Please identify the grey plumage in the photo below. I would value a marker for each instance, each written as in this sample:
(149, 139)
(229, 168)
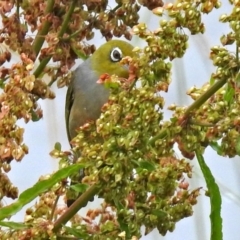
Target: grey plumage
(86, 104)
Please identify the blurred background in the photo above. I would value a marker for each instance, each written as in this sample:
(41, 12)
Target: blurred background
(194, 68)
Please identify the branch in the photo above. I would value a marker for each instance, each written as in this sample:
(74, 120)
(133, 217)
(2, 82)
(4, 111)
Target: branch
(67, 19)
(78, 204)
(205, 96)
(40, 37)
(41, 66)
(198, 103)
(63, 29)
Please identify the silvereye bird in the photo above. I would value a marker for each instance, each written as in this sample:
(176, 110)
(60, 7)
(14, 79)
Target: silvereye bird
(85, 96)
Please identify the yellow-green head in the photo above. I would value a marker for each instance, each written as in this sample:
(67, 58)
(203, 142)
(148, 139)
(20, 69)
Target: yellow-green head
(107, 57)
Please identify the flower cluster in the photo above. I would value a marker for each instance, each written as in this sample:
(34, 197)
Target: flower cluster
(63, 26)
(135, 175)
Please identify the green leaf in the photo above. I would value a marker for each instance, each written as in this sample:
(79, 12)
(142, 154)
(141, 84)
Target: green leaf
(238, 79)
(159, 213)
(147, 165)
(173, 119)
(79, 53)
(216, 147)
(215, 199)
(111, 85)
(79, 187)
(118, 204)
(14, 225)
(2, 84)
(76, 233)
(144, 165)
(229, 95)
(124, 227)
(108, 226)
(212, 80)
(39, 188)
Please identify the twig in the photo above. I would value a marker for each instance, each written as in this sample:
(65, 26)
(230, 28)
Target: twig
(199, 102)
(54, 207)
(40, 37)
(205, 96)
(63, 29)
(78, 204)
(41, 66)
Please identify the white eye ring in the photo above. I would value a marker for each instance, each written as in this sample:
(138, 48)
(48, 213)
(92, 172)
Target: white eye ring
(116, 54)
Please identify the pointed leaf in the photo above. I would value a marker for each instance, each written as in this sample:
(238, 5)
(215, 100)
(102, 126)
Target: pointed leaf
(39, 188)
(144, 165)
(216, 147)
(229, 95)
(14, 225)
(2, 84)
(215, 199)
(147, 165)
(80, 187)
(76, 233)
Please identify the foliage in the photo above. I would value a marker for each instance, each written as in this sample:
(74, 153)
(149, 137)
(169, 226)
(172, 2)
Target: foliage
(128, 153)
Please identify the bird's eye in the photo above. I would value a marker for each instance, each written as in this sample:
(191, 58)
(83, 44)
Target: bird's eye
(116, 54)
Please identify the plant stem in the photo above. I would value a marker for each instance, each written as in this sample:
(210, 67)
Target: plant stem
(67, 19)
(203, 124)
(63, 29)
(54, 208)
(73, 35)
(40, 37)
(78, 204)
(199, 102)
(237, 54)
(41, 66)
(162, 134)
(18, 10)
(205, 96)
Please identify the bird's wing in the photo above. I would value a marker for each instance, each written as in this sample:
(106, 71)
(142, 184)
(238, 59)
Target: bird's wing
(68, 106)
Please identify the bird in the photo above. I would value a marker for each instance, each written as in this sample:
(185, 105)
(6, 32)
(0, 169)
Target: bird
(85, 97)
